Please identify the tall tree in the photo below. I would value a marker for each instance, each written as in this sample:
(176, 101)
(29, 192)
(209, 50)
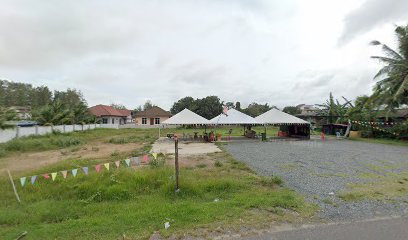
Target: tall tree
(238, 106)
(334, 110)
(255, 109)
(148, 105)
(392, 88)
(118, 106)
(208, 107)
(292, 110)
(230, 105)
(6, 115)
(186, 102)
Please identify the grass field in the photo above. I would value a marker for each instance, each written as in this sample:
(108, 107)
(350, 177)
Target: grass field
(133, 203)
(382, 141)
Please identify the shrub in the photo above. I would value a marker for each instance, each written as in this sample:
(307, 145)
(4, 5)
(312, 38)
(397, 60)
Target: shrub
(118, 140)
(201, 165)
(271, 181)
(218, 163)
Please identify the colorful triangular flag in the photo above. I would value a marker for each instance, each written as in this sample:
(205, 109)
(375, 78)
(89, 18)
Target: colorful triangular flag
(127, 161)
(135, 160)
(154, 155)
(22, 181)
(64, 173)
(145, 159)
(33, 178)
(98, 168)
(106, 166)
(46, 176)
(74, 172)
(85, 169)
(117, 163)
(53, 175)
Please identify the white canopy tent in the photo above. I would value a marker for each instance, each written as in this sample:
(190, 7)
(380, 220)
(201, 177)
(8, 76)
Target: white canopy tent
(186, 117)
(274, 116)
(233, 117)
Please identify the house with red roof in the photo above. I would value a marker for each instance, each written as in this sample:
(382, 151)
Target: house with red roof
(109, 115)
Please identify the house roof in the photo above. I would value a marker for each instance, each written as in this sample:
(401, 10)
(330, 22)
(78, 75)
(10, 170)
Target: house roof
(274, 116)
(233, 117)
(153, 112)
(104, 110)
(186, 117)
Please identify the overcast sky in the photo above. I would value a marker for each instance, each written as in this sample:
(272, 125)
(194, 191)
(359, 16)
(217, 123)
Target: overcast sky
(269, 51)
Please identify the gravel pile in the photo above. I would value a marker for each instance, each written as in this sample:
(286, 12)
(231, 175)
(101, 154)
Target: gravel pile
(319, 170)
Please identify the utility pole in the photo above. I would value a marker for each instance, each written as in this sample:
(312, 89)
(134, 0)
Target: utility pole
(176, 163)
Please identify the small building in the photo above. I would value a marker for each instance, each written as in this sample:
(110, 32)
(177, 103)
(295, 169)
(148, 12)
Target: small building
(109, 115)
(23, 112)
(332, 129)
(153, 116)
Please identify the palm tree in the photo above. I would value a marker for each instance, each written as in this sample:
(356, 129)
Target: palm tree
(334, 110)
(392, 88)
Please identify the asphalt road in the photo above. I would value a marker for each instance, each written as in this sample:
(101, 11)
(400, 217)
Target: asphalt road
(379, 229)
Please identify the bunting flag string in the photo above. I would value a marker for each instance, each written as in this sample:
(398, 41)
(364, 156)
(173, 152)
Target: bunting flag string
(373, 125)
(23, 181)
(53, 175)
(154, 155)
(127, 161)
(33, 178)
(379, 123)
(145, 159)
(98, 167)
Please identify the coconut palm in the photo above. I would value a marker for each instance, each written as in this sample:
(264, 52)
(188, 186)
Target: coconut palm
(392, 88)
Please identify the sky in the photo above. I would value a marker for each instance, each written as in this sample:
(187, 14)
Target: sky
(267, 51)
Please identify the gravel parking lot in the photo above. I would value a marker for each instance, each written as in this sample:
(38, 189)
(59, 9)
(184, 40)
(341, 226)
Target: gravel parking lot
(319, 170)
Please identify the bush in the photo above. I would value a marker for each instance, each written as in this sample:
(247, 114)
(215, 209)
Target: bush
(218, 163)
(271, 181)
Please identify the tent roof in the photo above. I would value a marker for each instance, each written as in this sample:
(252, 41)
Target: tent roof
(186, 117)
(275, 116)
(234, 117)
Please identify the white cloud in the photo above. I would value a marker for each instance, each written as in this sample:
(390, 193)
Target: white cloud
(246, 51)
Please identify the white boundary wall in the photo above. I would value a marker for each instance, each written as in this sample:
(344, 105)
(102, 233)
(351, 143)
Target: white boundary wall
(17, 132)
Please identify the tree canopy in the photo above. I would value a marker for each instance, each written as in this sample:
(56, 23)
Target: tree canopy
(292, 110)
(391, 89)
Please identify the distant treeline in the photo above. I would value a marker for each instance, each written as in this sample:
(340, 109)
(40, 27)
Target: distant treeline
(48, 108)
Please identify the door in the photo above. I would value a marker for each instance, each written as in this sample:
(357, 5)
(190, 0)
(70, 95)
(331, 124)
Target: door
(151, 121)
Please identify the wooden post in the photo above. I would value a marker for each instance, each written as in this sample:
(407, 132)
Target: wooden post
(14, 187)
(176, 162)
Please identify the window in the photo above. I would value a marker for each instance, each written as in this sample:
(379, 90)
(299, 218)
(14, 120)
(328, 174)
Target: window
(113, 121)
(104, 120)
(144, 120)
(157, 121)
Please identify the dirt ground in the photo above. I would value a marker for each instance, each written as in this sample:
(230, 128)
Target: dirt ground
(30, 161)
(166, 146)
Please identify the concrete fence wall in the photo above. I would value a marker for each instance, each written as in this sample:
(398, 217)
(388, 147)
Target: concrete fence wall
(9, 134)
(17, 132)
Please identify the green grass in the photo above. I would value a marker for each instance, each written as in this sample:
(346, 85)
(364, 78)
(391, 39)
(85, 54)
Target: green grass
(390, 186)
(136, 203)
(66, 140)
(382, 141)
